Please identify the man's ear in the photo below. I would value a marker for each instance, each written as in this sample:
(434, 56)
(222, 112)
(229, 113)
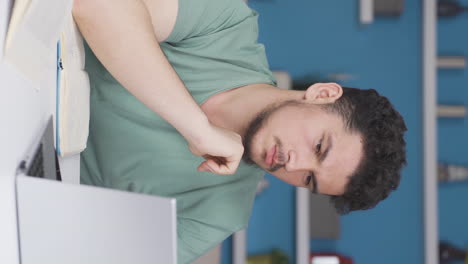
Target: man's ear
(323, 93)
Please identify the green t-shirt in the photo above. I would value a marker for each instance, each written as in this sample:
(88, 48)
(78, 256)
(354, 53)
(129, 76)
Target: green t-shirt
(213, 48)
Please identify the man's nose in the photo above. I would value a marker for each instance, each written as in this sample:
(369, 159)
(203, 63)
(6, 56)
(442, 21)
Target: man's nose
(299, 162)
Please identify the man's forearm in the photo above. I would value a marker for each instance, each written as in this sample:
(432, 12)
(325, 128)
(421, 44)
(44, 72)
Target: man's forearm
(121, 35)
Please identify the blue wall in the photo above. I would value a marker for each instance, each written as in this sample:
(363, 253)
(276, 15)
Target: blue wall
(303, 37)
(452, 137)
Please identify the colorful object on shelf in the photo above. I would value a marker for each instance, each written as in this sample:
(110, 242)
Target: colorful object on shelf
(329, 258)
(451, 62)
(276, 256)
(451, 111)
(451, 172)
(388, 8)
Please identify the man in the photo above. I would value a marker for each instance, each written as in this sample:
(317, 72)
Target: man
(143, 57)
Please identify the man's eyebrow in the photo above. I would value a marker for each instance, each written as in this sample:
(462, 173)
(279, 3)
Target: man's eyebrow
(325, 153)
(321, 159)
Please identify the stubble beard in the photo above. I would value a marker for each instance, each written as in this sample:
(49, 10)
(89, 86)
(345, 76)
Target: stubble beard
(256, 125)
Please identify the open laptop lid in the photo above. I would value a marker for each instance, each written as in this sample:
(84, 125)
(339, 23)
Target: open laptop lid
(67, 223)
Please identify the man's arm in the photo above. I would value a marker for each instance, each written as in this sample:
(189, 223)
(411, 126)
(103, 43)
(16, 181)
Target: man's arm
(123, 35)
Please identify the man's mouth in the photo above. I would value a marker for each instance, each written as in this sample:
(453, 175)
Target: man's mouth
(270, 157)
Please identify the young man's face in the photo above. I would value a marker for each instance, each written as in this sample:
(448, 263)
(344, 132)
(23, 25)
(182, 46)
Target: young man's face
(294, 141)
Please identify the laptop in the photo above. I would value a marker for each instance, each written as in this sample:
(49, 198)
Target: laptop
(68, 223)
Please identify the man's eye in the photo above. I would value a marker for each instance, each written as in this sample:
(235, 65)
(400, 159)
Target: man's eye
(318, 148)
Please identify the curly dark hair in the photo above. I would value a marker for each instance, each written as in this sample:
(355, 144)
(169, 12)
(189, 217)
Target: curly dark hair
(382, 129)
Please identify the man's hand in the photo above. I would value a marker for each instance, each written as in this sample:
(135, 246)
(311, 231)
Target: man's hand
(221, 148)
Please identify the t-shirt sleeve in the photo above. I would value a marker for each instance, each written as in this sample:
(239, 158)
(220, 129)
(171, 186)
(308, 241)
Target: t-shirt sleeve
(203, 17)
(214, 47)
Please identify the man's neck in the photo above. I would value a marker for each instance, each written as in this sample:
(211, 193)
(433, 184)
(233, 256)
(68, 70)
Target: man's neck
(236, 108)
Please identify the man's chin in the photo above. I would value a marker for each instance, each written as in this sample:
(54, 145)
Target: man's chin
(251, 162)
